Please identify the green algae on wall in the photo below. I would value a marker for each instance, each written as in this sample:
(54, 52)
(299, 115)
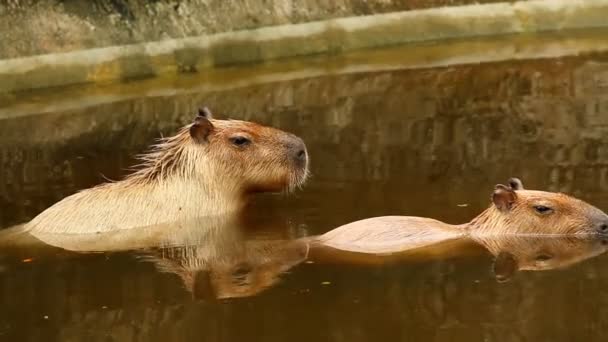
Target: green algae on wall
(318, 37)
(30, 27)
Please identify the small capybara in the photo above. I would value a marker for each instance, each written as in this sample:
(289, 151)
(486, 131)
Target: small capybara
(209, 167)
(514, 211)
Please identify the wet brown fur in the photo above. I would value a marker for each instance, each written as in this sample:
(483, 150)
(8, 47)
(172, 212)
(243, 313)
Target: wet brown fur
(197, 172)
(570, 216)
(171, 156)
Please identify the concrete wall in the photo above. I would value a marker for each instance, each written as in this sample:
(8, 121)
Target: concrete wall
(30, 27)
(545, 121)
(74, 62)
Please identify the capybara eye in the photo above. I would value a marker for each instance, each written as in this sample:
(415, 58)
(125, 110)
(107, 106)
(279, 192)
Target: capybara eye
(543, 257)
(240, 141)
(239, 275)
(541, 209)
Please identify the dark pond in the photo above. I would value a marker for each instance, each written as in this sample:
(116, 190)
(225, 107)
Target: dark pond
(425, 141)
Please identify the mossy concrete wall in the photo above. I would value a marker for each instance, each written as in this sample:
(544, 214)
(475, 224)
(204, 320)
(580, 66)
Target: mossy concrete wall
(192, 54)
(32, 27)
(404, 57)
(544, 120)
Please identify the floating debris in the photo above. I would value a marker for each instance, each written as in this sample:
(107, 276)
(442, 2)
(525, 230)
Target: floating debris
(463, 205)
(27, 260)
(326, 283)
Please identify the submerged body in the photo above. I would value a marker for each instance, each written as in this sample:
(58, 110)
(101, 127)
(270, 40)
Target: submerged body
(389, 234)
(514, 211)
(209, 167)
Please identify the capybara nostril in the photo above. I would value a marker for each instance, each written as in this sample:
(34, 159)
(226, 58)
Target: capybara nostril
(604, 228)
(297, 150)
(301, 158)
(301, 155)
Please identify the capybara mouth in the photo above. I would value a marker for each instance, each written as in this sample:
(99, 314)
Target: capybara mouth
(299, 177)
(292, 181)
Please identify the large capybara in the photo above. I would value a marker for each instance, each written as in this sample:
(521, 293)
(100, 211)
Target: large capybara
(514, 211)
(209, 167)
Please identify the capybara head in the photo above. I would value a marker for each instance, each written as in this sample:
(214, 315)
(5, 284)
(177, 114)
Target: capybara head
(236, 156)
(519, 211)
(540, 253)
(253, 157)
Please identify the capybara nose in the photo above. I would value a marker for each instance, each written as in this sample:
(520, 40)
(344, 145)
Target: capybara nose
(297, 149)
(301, 155)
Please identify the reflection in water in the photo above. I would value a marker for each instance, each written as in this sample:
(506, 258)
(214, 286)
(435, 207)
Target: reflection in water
(512, 252)
(213, 259)
(427, 142)
(245, 270)
(531, 253)
(212, 255)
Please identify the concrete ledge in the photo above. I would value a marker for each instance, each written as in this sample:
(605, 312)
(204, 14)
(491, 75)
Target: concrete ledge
(330, 36)
(452, 53)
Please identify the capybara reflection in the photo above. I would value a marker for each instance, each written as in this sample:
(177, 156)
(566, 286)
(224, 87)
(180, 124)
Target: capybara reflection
(514, 210)
(539, 253)
(245, 270)
(214, 256)
(209, 167)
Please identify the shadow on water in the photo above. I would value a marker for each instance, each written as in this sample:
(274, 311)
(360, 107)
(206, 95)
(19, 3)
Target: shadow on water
(425, 142)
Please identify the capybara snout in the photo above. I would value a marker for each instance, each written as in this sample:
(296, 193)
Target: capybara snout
(297, 151)
(601, 224)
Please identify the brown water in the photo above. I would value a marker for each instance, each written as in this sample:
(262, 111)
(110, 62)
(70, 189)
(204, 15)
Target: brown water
(425, 142)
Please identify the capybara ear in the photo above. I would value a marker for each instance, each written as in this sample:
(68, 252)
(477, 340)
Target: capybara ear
(202, 289)
(503, 197)
(515, 184)
(505, 266)
(205, 112)
(200, 129)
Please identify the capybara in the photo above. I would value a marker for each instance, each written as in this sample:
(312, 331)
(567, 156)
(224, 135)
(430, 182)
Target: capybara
(209, 167)
(514, 211)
